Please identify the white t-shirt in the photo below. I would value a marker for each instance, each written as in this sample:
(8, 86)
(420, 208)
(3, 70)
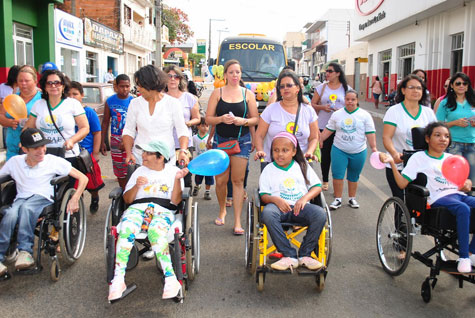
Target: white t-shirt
(400, 118)
(5, 90)
(200, 143)
(64, 115)
(287, 183)
(160, 185)
(35, 180)
(324, 116)
(437, 184)
(187, 101)
(280, 120)
(351, 129)
(144, 128)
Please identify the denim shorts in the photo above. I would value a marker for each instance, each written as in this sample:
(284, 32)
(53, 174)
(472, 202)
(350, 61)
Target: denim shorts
(466, 150)
(244, 144)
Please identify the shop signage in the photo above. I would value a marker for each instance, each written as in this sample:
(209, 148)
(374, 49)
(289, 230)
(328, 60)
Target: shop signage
(98, 35)
(366, 7)
(68, 29)
(373, 20)
(201, 46)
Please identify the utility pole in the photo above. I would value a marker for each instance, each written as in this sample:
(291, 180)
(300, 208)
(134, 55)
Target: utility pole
(158, 25)
(209, 42)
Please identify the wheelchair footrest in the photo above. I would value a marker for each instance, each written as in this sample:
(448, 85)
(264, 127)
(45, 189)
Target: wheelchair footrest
(30, 271)
(130, 288)
(450, 267)
(5, 276)
(299, 271)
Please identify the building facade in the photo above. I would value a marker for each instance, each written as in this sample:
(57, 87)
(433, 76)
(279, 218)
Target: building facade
(26, 33)
(437, 36)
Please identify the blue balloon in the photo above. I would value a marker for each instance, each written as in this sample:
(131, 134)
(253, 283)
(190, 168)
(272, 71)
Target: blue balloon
(209, 163)
(248, 86)
(210, 70)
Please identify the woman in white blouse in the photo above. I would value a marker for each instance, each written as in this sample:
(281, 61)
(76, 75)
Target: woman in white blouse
(153, 115)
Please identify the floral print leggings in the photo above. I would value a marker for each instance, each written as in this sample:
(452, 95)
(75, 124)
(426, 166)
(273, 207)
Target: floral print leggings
(130, 226)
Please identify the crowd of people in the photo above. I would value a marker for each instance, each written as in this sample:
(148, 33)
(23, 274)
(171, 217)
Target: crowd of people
(154, 131)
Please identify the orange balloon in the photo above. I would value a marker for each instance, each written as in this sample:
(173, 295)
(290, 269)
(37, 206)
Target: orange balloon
(222, 83)
(259, 96)
(216, 83)
(15, 106)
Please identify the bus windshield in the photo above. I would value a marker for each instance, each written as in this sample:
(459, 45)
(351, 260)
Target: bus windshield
(260, 61)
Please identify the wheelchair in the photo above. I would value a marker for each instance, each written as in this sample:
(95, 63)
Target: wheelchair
(56, 228)
(258, 249)
(400, 221)
(183, 240)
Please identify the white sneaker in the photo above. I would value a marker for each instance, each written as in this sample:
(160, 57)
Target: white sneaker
(12, 257)
(464, 265)
(172, 287)
(150, 254)
(309, 262)
(353, 203)
(24, 261)
(285, 263)
(3, 269)
(472, 259)
(335, 204)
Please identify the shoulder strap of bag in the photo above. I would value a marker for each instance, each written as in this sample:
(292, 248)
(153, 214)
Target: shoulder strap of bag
(296, 119)
(321, 94)
(245, 109)
(54, 123)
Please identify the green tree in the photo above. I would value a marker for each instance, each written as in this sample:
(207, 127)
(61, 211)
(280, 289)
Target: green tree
(196, 58)
(175, 20)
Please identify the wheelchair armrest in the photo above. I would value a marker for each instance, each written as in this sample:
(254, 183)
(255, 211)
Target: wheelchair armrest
(418, 190)
(115, 193)
(186, 193)
(6, 178)
(58, 180)
(257, 198)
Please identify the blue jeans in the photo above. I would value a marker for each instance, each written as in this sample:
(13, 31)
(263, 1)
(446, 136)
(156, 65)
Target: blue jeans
(244, 144)
(459, 205)
(467, 151)
(25, 212)
(209, 180)
(312, 216)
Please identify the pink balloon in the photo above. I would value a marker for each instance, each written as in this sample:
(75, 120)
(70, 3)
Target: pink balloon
(456, 169)
(375, 162)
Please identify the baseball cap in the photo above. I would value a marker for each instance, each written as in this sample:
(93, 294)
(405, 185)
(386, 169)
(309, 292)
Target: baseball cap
(48, 66)
(32, 138)
(156, 146)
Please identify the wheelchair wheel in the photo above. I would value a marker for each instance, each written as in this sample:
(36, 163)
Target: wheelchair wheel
(72, 234)
(192, 236)
(110, 257)
(329, 236)
(250, 255)
(260, 281)
(393, 236)
(426, 291)
(55, 270)
(320, 280)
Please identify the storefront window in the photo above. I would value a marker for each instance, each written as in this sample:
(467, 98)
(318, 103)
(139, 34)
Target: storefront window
(23, 39)
(384, 70)
(457, 53)
(70, 63)
(406, 59)
(91, 67)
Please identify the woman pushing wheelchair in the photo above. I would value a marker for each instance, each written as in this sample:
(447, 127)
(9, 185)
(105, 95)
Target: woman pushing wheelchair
(443, 193)
(154, 188)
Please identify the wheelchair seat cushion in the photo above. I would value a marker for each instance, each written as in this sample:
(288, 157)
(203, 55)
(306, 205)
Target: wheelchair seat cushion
(441, 218)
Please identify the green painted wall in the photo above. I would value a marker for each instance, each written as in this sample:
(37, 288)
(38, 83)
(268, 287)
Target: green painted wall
(26, 12)
(6, 31)
(43, 35)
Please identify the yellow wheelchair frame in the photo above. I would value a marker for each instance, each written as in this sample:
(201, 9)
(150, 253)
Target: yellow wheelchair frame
(259, 248)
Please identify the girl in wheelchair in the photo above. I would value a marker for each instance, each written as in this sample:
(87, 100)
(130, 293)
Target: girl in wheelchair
(286, 188)
(155, 179)
(443, 193)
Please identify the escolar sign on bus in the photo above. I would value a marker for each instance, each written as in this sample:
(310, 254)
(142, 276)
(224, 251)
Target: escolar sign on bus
(251, 46)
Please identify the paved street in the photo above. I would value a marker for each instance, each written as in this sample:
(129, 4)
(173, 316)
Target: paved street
(356, 285)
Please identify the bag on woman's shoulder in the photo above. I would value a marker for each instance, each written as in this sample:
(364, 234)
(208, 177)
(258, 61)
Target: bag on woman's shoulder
(231, 147)
(85, 162)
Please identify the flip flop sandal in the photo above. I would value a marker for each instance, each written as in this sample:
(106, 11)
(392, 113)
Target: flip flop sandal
(219, 222)
(229, 203)
(238, 232)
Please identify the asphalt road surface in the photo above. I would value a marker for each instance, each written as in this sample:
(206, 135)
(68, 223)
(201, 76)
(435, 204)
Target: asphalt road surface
(356, 285)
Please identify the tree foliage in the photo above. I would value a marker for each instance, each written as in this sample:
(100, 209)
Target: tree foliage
(196, 58)
(175, 20)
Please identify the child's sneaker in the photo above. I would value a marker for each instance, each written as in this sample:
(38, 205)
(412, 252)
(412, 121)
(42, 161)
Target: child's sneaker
(207, 195)
(24, 261)
(353, 203)
(335, 204)
(3, 269)
(464, 265)
(472, 259)
(285, 263)
(196, 189)
(309, 262)
(172, 288)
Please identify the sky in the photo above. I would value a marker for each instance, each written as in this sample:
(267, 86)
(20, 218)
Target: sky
(272, 18)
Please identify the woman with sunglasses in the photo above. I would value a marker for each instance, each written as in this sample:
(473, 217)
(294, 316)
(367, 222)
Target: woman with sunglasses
(441, 98)
(328, 98)
(67, 114)
(457, 110)
(281, 115)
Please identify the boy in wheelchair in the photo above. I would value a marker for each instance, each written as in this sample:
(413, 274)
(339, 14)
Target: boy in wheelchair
(443, 193)
(154, 184)
(32, 173)
(286, 187)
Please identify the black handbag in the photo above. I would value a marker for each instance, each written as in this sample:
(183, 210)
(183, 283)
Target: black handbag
(84, 160)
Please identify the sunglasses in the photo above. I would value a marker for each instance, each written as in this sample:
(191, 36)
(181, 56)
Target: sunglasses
(54, 83)
(175, 76)
(288, 85)
(461, 83)
(330, 71)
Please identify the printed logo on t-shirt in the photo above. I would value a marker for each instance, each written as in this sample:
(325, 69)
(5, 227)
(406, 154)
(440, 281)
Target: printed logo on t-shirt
(288, 191)
(290, 129)
(48, 128)
(348, 125)
(118, 116)
(202, 146)
(154, 189)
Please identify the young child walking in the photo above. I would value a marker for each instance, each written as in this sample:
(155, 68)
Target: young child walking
(286, 187)
(200, 140)
(115, 113)
(443, 193)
